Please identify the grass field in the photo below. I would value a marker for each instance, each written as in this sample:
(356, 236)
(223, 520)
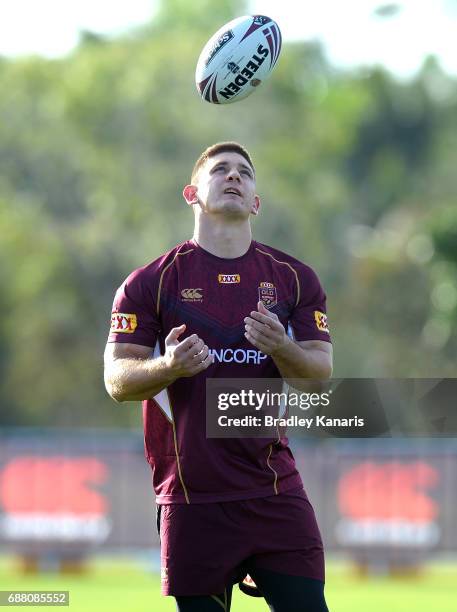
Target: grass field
(126, 586)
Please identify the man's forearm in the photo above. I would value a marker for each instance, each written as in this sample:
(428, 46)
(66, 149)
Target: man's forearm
(137, 379)
(293, 361)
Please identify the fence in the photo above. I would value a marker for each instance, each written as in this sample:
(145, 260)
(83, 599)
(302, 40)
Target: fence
(73, 493)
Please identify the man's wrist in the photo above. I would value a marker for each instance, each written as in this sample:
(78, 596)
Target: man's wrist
(282, 349)
(169, 371)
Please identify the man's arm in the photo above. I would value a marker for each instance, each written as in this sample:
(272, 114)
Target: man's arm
(308, 359)
(131, 373)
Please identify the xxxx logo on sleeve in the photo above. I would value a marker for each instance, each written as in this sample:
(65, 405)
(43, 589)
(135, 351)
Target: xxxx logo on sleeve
(267, 294)
(321, 321)
(122, 323)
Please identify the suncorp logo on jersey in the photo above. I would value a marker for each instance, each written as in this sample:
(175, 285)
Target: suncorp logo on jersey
(238, 356)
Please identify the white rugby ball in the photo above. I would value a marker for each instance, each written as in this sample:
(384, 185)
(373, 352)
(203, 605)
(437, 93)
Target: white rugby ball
(237, 59)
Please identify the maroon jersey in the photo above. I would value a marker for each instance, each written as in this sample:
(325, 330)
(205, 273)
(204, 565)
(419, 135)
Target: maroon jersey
(212, 296)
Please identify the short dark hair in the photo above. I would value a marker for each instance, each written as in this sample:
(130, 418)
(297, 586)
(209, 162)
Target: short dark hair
(215, 149)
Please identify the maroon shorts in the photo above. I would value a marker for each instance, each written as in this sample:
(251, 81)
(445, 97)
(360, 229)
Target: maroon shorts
(207, 547)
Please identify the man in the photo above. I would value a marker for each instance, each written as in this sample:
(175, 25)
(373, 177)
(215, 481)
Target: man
(220, 305)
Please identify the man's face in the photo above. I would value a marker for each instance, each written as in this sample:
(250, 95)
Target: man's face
(226, 184)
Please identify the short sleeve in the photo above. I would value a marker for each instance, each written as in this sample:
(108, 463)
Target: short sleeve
(309, 317)
(134, 315)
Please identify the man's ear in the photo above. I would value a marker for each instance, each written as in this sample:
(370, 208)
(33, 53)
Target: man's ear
(255, 205)
(190, 194)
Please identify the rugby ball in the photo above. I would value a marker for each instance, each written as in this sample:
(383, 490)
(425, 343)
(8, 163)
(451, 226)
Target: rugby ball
(237, 59)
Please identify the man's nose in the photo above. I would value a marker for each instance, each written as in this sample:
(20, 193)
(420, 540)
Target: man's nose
(233, 174)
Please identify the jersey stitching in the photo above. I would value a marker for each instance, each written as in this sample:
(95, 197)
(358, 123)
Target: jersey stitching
(163, 272)
(219, 602)
(274, 471)
(178, 463)
(289, 266)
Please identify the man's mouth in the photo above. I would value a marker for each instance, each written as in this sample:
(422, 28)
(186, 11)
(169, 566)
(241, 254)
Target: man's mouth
(232, 190)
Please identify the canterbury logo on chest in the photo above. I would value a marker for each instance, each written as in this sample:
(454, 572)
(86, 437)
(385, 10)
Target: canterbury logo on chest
(192, 295)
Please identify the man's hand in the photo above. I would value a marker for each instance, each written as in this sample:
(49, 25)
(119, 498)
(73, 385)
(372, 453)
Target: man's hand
(306, 359)
(188, 357)
(265, 331)
(132, 373)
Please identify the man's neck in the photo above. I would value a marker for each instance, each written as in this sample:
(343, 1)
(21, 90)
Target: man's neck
(225, 241)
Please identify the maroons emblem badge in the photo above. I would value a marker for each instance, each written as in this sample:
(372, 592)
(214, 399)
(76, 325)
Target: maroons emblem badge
(267, 294)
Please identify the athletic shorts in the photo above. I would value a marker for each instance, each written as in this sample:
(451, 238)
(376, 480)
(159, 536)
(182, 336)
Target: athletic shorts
(206, 547)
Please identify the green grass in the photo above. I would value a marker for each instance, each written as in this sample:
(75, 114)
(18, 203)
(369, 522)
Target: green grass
(120, 586)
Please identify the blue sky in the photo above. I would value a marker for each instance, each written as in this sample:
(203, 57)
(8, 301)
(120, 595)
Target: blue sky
(351, 31)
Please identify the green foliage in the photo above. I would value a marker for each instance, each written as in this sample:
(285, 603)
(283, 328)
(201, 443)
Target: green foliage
(204, 15)
(356, 172)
